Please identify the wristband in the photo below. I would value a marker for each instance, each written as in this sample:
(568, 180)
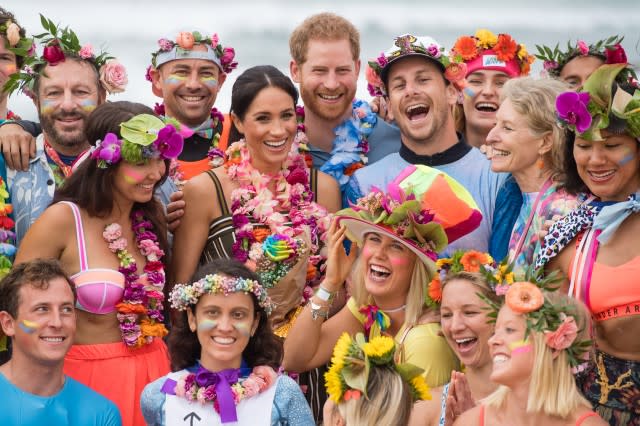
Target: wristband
(324, 294)
(318, 311)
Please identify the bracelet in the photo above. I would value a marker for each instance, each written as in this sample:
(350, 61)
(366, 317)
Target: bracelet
(318, 311)
(324, 294)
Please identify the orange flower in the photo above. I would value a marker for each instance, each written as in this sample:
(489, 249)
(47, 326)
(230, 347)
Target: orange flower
(311, 271)
(261, 234)
(185, 40)
(435, 289)
(505, 48)
(525, 67)
(131, 308)
(466, 47)
(472, 260)
(524, 297)
(351, 168)
(456, 73)
(152, 329)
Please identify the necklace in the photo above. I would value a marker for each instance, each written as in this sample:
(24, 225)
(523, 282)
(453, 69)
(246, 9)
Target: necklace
(140, 312)
(398, 309)
(350, 146)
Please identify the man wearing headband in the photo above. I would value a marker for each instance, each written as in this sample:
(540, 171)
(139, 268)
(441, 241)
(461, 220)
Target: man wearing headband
(422, 85)
(37, 313)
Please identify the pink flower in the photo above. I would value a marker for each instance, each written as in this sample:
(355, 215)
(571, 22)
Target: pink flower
(267, 374)
(165, 45)
(112, 232)
(53, 54)
(616, 55)
(185, 40)
(147, 247)
(119, 244)
(214, 40)
(550, 65)
(382, 60)
(13, 34)
(501, 289)
(563, 336)
(147, 75)
(434, 51)
(251, 387)
(113, 76)
(32, 50)
(86, 51)
(180, 388)
(582, 46)
(227, 55)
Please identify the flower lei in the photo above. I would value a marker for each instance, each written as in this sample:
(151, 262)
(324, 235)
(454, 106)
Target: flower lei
(352, 360)
(7, 236)
(253, 199)
(140, 312)
(350, 146)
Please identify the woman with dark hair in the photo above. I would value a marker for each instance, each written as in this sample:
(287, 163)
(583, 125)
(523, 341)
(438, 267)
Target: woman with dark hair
(108, 232)
(595, 246)
(224, 356)
(265, 207)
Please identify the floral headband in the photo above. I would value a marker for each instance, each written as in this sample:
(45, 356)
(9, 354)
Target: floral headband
(15, 42)
(182, 48)
(58, 44)
(608, 49)
(410, 45)
(353, 359)
(485, 50)
(143, 137)
(184, 295)
(596, 108)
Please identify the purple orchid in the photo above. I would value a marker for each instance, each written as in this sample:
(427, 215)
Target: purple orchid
(572, 108)
(108, 151)
(169, 142)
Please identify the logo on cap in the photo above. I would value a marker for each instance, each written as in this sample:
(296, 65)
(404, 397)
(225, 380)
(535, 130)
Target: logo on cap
(492, 61)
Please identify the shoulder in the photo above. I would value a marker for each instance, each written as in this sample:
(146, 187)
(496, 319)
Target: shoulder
(290, 406)
(427, 413)
(59, 215)
(286, 386)
(199, 185)
(91, 400)
(152, 401)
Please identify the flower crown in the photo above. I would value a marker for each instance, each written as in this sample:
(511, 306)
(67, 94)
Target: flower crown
(143, 137)
(184, 295)
(353, 359)
(486, 50)
(183, 48)
(596, 108)
(19, 45)
(557, 321)
(58, 44)
(608, 49)
(406, 45)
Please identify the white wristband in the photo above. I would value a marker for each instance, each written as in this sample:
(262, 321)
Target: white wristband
(323, 294)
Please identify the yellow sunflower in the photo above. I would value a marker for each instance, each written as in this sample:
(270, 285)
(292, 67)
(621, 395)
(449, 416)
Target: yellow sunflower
(420, 388)
(341, 350)
(486, 38)
(380, 349)
(333, 383)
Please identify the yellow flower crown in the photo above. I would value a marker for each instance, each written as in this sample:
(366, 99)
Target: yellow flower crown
(352, 360)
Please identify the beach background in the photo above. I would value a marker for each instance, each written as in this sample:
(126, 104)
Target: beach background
(259, 30)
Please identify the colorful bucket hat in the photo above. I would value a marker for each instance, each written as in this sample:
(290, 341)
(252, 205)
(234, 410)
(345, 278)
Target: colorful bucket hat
(424, 209)
(486, 51)
(409, 45)
(602, 104)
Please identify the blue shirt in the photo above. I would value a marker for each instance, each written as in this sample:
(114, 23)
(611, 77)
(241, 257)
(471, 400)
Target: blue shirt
(74, 405)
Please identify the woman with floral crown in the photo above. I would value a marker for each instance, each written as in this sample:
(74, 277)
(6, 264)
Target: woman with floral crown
(223, 354)
(541, 339)
(264, 208)
(595, 246)
(399, 234)
(109, 233)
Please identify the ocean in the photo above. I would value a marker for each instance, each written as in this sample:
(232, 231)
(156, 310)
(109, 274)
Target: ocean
(259, 30)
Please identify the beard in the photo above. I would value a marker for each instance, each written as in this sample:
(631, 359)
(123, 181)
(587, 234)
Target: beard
(322, 110)
(75, 138)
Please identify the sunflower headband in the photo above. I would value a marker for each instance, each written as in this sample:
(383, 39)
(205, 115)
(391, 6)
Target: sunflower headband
(352, 360)
(58, 43)
(184, 295)
(144, 137)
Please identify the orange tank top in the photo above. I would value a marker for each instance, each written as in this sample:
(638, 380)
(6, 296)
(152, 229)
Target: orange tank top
(191, 169)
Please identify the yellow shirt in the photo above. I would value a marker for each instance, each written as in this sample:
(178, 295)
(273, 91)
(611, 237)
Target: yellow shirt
(422, 347)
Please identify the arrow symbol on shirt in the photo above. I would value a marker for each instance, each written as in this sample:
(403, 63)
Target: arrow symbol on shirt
(191, 416)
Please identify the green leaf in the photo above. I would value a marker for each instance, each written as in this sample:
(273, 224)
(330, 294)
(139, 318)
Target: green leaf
(356, 376)
(408, 371)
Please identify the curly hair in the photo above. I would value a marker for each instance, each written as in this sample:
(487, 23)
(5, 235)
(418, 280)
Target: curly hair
(264, 347)
(323, 26)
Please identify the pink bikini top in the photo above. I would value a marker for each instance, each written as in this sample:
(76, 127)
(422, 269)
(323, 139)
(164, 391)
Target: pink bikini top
(99, 290)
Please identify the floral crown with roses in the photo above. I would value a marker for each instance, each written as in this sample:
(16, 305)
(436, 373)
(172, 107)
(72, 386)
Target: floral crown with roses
(602, 104)
(485, 50)
(182, 48)
(15, 39)
(144, 137)
(353, 360)
(609, 49)
(410, 45)
(184, 295)
(59, 43)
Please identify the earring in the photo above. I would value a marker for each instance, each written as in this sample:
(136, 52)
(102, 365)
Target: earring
(540, 163)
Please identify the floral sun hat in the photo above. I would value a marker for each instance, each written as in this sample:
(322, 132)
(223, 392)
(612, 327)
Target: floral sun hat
(183, 48)
(610, 50)
(351, 363)
(602, 104)
(58, 44)
(423, 208)
(488, 51)
(409, 45)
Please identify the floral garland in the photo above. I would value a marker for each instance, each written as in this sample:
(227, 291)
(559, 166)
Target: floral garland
(350, 146)
(186, 40)
(7, 236)
(140, 312)
(254, 199)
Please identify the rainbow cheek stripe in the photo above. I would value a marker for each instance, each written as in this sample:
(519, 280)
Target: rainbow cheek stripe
(243, 328)
(468, 92)
(48, 106)
(520, 347)
(175, 79)
(28, 326)
(209, 81)
(626, 159)
(206, 325)
(131, 175)
(88, 105)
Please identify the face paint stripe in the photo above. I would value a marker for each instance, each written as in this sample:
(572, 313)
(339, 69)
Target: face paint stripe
(206, 325)
(520, 347)
(243, 328)
(28, 326)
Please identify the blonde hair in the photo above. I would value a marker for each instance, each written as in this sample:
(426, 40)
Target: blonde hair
(535, 100)
(388, 400)
(326, 27)
(552, 388)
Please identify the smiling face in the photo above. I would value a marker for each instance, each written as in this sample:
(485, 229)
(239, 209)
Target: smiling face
(420, 100)
(465, 323)
(388, 268)
(513, 357)
(328, 79)
(269, 127)
(45, 325)
(136, 182)
(576, 71)
(610, 168)
(224, 325)
(8, 64)
(482, 98)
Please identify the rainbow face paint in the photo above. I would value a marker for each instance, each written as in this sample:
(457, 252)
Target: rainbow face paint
(520, 347)
(468, 92)
(28, 326)
(48, 106)
(627, 158)
(131, 175)
(206, 325)
(209, 81)
(243, 328)
(88, 105)
(175, 79)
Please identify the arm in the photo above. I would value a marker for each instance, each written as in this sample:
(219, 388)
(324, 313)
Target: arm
(112, 416)
(190, 238)
(152, 402)
(328, 192)
(18, 144)
(289, 405)
(41, 242)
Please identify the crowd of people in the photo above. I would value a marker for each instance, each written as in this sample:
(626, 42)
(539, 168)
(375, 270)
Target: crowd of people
(438, 254)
